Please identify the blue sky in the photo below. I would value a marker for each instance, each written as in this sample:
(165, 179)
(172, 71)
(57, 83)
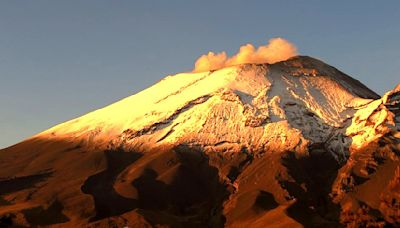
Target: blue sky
(62, 59)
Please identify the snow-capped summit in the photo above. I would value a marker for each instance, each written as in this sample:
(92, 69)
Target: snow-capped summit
(236, 104)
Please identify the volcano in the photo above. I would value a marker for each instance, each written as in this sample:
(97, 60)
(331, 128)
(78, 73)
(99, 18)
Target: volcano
(296, 143)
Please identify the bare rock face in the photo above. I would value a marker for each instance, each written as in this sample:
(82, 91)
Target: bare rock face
(291, 144)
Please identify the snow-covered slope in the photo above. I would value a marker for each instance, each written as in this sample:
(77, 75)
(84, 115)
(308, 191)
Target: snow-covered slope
(290, 144)
(233, 104)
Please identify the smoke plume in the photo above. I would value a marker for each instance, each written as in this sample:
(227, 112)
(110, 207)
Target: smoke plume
(277, 49)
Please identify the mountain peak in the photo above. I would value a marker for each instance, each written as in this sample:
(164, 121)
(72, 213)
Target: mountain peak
(284, 143)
